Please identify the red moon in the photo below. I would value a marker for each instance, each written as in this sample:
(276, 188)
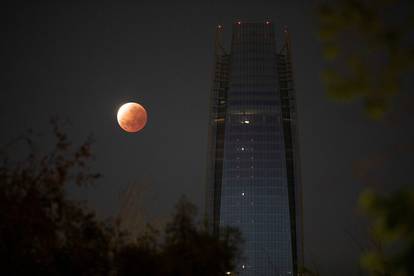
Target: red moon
(132, 117)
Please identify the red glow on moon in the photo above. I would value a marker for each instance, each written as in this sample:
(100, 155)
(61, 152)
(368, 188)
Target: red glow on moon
(132, 117)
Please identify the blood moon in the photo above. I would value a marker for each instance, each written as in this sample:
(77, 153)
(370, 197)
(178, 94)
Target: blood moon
(132, 117)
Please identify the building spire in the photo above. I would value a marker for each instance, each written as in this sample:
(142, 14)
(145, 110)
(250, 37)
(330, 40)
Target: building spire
(218, 47)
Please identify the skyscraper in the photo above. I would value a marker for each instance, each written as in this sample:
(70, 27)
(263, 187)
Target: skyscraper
(253, 178)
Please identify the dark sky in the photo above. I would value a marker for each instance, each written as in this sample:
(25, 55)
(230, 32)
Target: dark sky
(82, 61)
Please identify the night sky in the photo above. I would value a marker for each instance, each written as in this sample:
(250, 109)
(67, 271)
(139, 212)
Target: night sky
(81, 62)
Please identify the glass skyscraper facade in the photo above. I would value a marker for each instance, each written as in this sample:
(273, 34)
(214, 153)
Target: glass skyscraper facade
(253, 168)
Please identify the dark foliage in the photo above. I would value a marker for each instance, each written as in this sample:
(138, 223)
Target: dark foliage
(368, 48)
(369, 52)
(42, 232)
(186, 249)
(393, 229)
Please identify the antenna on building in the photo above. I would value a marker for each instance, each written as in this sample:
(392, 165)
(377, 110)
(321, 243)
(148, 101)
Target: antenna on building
(287, 42)
(218, 46)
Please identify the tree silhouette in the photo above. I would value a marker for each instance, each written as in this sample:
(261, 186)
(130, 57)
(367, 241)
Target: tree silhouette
(42, 232)
(45, 233)
(186, 248)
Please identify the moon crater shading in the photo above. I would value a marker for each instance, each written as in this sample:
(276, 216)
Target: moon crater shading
(132, 117)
